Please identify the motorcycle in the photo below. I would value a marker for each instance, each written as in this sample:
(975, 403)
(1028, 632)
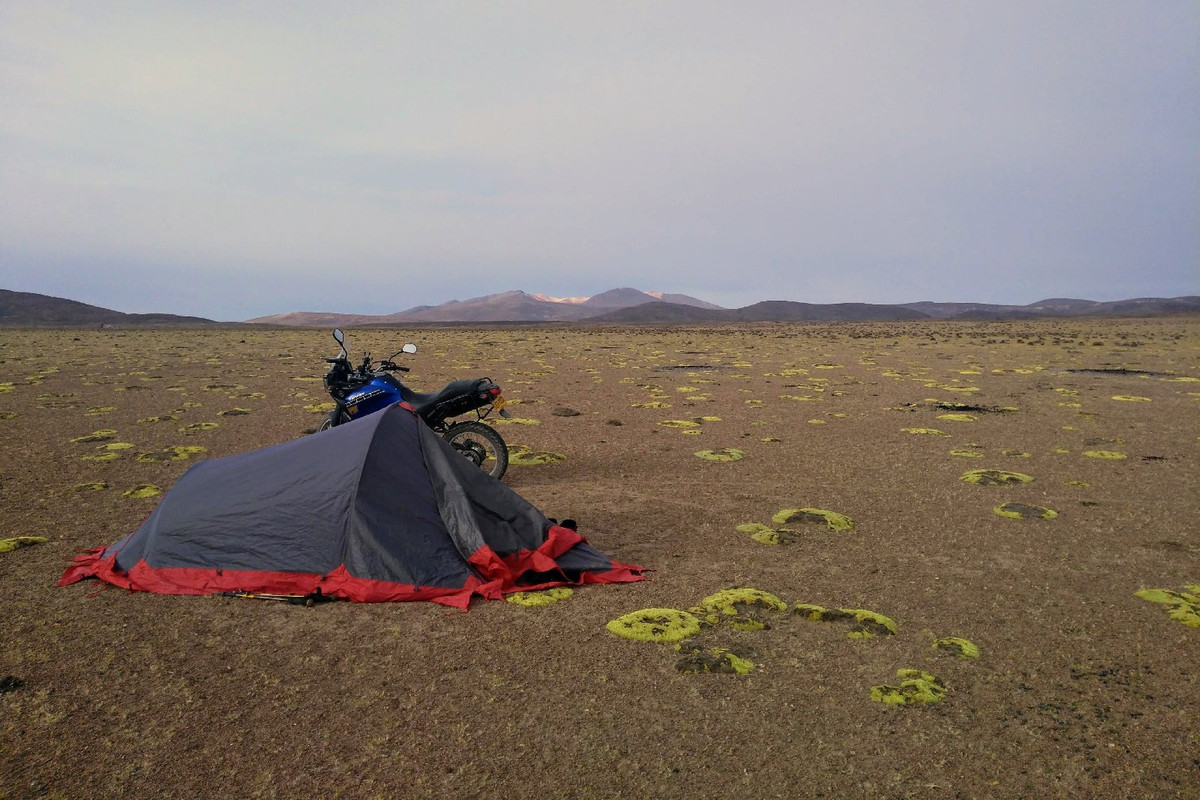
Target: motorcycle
(371, 386)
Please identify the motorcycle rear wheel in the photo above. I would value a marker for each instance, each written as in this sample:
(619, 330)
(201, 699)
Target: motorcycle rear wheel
(481, 445)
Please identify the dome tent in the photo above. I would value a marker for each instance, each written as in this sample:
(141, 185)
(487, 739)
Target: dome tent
(381, 509)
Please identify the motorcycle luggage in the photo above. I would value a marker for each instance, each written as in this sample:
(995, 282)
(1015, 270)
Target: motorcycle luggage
(456, 398)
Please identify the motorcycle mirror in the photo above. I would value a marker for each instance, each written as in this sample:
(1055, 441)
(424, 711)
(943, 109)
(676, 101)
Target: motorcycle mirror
(409, 348)
(340, 338)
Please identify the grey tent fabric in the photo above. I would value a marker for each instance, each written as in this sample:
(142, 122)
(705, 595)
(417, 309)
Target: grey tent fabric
(381, 508)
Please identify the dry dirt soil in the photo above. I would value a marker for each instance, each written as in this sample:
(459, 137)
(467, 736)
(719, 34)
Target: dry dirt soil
(1080, 689)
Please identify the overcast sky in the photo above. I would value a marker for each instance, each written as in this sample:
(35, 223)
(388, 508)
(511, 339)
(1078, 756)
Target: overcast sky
(233, 159)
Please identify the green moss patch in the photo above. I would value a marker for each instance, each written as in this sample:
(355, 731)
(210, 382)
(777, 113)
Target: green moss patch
(723, 454)
(925, 431)
(652, 404)
(1023, 511)
(655, 625)
(525, 457)
(538, 599)
(196, 427)
(916, 687)
(831, 519)
(678, 424)
(514, 421)
(995, 477)
(142, 491)
(739, 608)
(234, 412)
(957, 417)
(765, 534)
(696, 660)
(102, 435)
(320, 408)
(1130, 398)
(178, 453)
(970, 408)
(960, 648)
(17, 542)
(869, 623)
(8, 415)
(110, 456)
(1182, 606)
(966, 453)
(866, 624)
(91, 486)
(1110, 455)
(95, 411)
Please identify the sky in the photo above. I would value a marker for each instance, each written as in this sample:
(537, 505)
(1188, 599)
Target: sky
(232, 160)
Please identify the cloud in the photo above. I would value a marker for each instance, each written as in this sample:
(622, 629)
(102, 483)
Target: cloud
(808, 151)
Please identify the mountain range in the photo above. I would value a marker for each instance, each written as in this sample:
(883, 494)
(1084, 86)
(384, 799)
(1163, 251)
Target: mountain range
(515, 306)
(616, 306)
(627, 305)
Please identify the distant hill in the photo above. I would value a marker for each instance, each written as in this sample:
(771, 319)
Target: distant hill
(316, 319)
(767, 311)
(787, 311)
(1060, 307)
(1145, 306)
(950, 310)
(659, 311)
(513, 306)
(29, 309)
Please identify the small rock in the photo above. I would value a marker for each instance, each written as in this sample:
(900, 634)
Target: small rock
(563, 411)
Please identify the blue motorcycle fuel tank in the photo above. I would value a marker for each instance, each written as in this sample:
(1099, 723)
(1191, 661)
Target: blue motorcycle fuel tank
(374, 396)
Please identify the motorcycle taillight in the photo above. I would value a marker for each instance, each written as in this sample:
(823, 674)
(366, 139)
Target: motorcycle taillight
(494, 391)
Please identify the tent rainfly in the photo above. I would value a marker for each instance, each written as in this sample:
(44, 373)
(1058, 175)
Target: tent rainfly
(381, 509)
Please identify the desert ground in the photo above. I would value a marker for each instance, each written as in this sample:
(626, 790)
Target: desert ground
(1078, 686)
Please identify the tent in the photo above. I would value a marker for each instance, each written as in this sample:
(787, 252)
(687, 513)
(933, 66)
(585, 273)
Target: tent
(380, 509)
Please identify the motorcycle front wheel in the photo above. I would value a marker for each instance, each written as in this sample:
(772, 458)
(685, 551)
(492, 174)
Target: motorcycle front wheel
(481, 445)
(332, 419)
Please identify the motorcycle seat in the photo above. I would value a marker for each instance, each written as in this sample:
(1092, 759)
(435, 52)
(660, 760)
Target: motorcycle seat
(453, 390)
